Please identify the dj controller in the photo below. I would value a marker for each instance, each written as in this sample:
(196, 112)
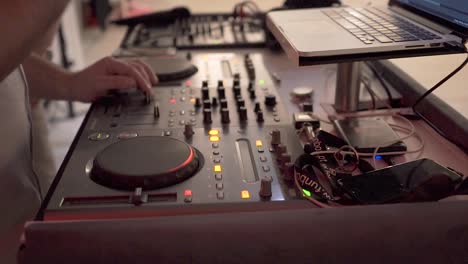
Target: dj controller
(220, 136)
(199, 31)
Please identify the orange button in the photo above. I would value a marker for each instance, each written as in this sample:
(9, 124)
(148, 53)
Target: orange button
(218, 168)
(245, 194)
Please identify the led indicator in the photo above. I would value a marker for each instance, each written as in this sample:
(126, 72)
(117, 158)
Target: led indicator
(188, 83)
(193, 100)
(245, 195)
(261, 82)
(217, 168)
(259, 143)
(187, 193)
(214, 138)
(213, 132)
(378, 157)
(172, 101)
(306, 193)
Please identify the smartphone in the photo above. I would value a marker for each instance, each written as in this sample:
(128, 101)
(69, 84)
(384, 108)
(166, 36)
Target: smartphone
(419, 180)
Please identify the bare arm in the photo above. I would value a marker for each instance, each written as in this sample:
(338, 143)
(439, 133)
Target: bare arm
(22, 24)
(47, 80)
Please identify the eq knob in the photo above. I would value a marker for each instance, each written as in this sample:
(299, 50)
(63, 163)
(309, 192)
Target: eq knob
(225, 116)
(197, 102)
(242, 113)
(260, 118)
(252, 94)
(220, 83)
(207, 104)
(221, 92)
(205, 93)
(223, 102)
(251, 86)
(270, 100)
(265, 187)
(257, 107)
(240, 103)
(207, 116)
(205, 84)
(236, 90)
(236, 82)
(214, 102)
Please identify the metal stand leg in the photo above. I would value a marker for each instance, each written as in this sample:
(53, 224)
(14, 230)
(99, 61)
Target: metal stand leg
(356, 130)
(348, 82)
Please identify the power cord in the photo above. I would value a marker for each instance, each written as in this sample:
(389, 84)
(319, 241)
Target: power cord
(428, 92)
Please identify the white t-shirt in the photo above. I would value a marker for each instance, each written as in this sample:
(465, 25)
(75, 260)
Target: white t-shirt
(19, 193)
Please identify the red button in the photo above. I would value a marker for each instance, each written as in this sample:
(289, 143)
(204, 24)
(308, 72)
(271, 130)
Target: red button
(188, 193)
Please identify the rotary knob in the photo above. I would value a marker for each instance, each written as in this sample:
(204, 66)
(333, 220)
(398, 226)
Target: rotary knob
(257, 107)
(221, 92)
(242, 113)
(214, 102)
(251, 86)
(207, 103)
(197, 102)
(252, 94)
(223, 103)
(207, 116)
(240, 103)
(236, 90)
(205, 93)
(220, 83)
(204, 83)
(236, 82)
(188, 130)
(225, 116)
(265, 187)
(260, 118)
(270, 100)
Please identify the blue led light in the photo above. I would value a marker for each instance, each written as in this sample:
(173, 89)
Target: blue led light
(378, 157)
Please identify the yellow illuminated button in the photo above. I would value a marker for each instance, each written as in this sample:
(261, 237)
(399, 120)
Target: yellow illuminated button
(217, 168)
(259, 143)
(214, 138)
(213, 132)
(245, 195)
(193, 100)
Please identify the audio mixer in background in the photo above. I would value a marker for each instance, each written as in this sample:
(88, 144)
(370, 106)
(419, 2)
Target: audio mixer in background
(200, 31)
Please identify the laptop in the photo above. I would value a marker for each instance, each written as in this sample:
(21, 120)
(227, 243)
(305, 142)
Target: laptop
(403, 25)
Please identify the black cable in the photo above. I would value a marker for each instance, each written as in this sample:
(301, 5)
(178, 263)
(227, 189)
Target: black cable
(371, 93)
(440, 83)
(428, 92)
(382, 82)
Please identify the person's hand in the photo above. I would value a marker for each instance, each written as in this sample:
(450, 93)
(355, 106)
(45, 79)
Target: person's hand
(110, 74)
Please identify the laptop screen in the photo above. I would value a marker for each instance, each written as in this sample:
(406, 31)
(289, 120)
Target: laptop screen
(452, 11)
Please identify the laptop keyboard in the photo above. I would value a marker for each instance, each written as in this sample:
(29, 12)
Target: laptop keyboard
(372, 25)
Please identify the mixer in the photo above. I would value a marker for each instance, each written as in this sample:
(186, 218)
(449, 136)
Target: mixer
(199, 31)
(221, 136)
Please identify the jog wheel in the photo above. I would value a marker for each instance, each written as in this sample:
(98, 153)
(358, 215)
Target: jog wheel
(146, 162)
